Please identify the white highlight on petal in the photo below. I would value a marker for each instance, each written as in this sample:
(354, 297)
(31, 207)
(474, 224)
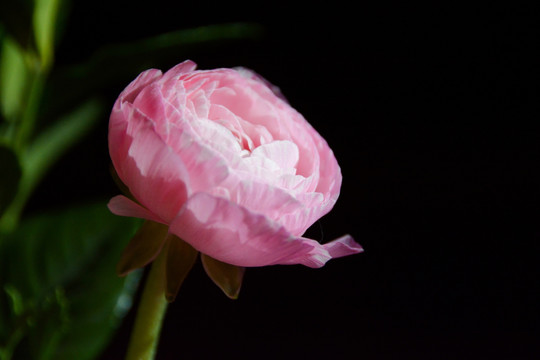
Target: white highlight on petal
(283, 152)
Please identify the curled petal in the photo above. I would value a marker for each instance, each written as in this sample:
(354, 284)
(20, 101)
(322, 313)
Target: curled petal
(122, 206)
(180, 69)
(134, 88)
(320, 254)
(343, 246)
(235, 235)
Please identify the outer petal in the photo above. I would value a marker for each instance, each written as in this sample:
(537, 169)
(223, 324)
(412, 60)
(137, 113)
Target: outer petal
(235, 235)
(330, 173)
(320, 254)
(180, 69)
(232, 234)
(162, 105)
(121, 205)
(134, 88)
(343, 246)
(154, 174)
(250, 74)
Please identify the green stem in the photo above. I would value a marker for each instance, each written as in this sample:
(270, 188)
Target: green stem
(152, 307)
(27, 123)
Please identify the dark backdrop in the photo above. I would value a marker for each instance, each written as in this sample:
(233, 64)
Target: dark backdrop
(432, 112)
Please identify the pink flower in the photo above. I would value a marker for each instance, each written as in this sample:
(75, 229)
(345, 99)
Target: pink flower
(221, 159)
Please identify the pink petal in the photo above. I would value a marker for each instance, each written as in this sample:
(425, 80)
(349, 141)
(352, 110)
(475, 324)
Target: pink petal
(320, 254)
(249, 100)
(299, 221)
(300, 130)
(180, 69)
(283, 152)
(262, 198)
(330, 173)
(250, 74)
(217, 137)
(132, 90)
(150, 102)
(206, 167)
(343, 246)
(233, 234)
(154, 174)
(122, 206)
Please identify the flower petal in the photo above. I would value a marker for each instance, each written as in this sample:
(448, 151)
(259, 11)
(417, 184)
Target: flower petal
(134, 88)
(206, 167)
(343, 246)
(154, 174)
(233, 234)
(282, 152)
(122, 206)
(262, 198)
(320, 254)
(180, 69)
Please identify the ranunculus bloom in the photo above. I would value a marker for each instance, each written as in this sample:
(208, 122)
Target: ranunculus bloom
(222, 159)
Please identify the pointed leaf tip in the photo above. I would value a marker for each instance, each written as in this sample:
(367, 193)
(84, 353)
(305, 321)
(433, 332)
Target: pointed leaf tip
(226, 276)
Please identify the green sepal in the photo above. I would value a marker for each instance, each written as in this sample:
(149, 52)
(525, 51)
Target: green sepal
(226, 276)
(143, 248)
(180, 260)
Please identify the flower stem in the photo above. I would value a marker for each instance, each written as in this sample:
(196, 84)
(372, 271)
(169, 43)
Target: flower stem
(152, 307)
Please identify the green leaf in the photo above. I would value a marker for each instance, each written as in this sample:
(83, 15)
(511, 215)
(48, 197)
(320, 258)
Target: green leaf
(9, 181)
(55, 140)
(61, 266)
(118, 63)
(48, 146)
(14, 77)
(44, 20)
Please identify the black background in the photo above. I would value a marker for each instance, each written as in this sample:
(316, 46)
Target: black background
(432, 112)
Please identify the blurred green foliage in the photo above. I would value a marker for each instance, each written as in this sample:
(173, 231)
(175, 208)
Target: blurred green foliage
(59, 295)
